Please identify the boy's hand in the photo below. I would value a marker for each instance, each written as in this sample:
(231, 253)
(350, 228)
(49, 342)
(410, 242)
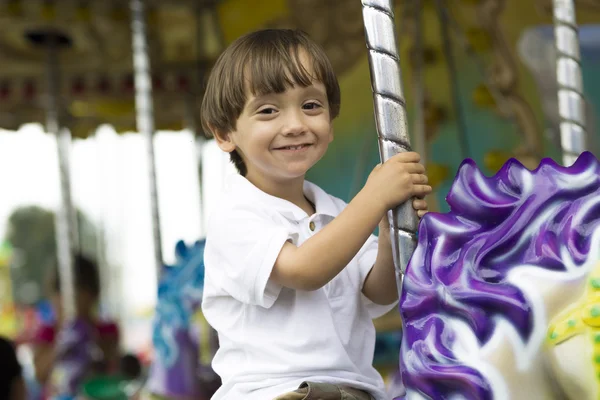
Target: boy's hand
(420, 206)
(398, 179)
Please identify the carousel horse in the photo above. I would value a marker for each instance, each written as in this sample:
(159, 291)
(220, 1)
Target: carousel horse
(501, 299)
(181, 336)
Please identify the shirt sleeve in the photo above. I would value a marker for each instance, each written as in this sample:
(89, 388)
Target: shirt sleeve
(45, 334)
(366, 260)
(241, 249)
(108, 330)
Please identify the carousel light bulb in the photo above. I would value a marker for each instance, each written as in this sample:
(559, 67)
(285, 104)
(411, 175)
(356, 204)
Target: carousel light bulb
(104, 85)
(78, 86)
(129, 84)
(4, 90)
(157, 82)
(29, 89)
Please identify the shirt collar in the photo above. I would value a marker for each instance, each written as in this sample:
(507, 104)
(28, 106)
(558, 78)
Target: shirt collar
(242, 189)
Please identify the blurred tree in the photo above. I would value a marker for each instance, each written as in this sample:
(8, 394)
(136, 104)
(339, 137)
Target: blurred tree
(31, 233)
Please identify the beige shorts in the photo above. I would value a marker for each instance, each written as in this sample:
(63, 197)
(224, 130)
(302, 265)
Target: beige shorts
(324, 391)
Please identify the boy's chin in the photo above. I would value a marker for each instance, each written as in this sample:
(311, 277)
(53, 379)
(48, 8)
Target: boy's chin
(287, 172)
(295, 172)
(289, 176)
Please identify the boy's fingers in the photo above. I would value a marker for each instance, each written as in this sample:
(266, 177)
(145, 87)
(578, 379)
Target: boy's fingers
(421, 190)
(420, 179)
(409, 156)
(409, 167)
(419, 204)
(414, 168)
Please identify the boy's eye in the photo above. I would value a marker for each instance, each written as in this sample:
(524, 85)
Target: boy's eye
(267, 110)
(311, 106)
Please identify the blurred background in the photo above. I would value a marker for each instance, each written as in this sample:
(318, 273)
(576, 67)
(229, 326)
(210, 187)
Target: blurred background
(484, 71)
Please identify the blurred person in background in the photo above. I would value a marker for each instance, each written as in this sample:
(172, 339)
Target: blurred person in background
(106, 333)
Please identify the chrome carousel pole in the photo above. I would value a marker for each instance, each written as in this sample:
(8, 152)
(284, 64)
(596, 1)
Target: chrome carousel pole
(571, 104)
(390, 117)
(448, 50)
(109, 298)
(66, 235)
(145, 115)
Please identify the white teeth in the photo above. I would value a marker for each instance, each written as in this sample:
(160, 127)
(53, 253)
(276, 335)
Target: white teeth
(294, 147)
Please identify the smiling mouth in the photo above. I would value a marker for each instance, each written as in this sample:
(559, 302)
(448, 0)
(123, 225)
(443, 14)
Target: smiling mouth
(297, 147)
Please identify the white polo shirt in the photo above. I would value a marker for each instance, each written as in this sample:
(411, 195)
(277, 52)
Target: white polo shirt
(273, 338)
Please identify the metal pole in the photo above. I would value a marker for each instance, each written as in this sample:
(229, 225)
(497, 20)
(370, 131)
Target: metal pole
(145, 114)
(390, 118)
(571, 105)
(453, 80)
(419, 84)
(199, 140)
(65, 232)
(107, 280)
(479, 63)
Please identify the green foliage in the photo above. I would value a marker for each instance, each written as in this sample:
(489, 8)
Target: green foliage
(31, 232)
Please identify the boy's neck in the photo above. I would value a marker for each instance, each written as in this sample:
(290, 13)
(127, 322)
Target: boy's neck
(291, 190)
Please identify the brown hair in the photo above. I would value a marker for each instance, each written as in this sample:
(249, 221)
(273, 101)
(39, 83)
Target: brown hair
(265, 61)
(85, 274)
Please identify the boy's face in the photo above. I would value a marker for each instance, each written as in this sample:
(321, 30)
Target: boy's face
(84, 303)
(280, 136)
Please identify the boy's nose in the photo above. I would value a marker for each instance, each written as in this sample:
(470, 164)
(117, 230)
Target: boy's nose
(294, 125)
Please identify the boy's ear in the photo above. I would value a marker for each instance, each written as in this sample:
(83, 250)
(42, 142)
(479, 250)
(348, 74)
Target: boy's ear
(331, 134)
(224, 141)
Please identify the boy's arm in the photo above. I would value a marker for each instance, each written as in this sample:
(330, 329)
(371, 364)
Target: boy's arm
(318, 260)
(380, 285)
(323, 256)
(44, 357)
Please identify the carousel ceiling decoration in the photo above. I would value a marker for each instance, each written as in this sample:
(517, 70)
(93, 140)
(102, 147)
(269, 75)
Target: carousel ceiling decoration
(502, 80)
(94, 59)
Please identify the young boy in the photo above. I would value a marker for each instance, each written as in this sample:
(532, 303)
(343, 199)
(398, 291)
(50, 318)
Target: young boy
(293, 275)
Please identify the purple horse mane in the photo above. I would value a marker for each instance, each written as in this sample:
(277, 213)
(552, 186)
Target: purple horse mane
(460, 267)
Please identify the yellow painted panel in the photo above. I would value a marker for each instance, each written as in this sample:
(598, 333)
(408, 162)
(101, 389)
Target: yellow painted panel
(238, 17)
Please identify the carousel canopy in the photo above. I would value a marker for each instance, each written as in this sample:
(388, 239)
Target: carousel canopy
(95, 60)
(185, 36)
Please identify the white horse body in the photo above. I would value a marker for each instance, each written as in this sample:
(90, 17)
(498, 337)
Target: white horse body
(516, 369)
